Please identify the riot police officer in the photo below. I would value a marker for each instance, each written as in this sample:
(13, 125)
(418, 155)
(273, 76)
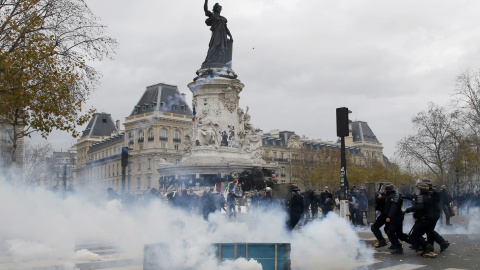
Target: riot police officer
(394, 218)
(432, 235)
(423, 214)
(380, 202)
(295, 207)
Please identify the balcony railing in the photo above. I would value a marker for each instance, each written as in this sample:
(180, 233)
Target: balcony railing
(280, 159)
(150, 139)
(177, 140)
(140, 140)
(164, 139)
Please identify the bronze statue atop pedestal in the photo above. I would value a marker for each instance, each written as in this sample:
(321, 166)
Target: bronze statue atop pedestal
(220, 47)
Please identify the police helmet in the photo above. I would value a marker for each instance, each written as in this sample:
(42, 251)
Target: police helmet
(295, 188)
(381, 185)
(428, 182)
(268, 189)
(423, 187)
(389, 187)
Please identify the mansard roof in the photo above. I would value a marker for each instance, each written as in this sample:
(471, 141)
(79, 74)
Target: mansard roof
(101, 124)
(162, 97)
(108, 141)
(361, 132)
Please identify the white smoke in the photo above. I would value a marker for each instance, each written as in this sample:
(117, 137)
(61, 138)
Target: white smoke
(41, 225)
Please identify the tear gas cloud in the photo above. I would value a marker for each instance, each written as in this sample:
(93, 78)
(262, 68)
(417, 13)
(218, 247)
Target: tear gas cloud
(38, 224)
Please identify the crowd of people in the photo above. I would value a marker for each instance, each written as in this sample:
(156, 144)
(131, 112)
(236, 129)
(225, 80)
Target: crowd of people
(430, 206)
(305, 206)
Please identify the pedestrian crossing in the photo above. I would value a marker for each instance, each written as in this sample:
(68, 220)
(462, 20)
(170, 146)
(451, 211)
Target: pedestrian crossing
(401, 262)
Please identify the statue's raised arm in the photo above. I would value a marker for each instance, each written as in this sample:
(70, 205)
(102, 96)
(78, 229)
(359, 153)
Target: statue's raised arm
(205, 7)
(220, 47)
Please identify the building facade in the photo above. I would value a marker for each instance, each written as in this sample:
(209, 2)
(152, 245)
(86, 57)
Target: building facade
(154, 132)
(286, 147)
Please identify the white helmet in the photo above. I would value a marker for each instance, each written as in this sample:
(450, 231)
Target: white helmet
(268, 189)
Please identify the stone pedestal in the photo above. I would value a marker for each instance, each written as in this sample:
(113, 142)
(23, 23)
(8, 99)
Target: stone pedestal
(222, 140)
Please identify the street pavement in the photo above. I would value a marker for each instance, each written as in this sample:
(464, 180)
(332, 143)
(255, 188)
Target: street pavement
(463, 254)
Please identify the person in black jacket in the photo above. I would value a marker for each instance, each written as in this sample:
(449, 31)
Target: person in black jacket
(380, 202)
(327, 201)
(444, 204)
(231, 204)
(314, 204)
(423, 214)
(394, 217)
(208, 204)
(432, 235)
(307, 199)
(295, 207)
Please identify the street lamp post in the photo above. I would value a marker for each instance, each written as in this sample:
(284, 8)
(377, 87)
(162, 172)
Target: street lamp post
(65, 177)
(457, 172)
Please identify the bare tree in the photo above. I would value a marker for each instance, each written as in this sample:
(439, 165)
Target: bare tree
(435, 142)
(467, 104)
(36, 161)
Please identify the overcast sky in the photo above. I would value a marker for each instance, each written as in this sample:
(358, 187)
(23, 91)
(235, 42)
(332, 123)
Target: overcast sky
(299, 59)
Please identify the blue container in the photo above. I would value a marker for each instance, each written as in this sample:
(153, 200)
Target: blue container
(272, 256)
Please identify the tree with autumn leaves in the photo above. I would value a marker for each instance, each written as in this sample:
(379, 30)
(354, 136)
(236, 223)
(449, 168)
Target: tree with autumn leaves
(313, 169)
(46, 51)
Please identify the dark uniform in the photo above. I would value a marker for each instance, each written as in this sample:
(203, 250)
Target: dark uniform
(231, 204)
(424, 216)
(327, 202)
(432, 235)
(208, 204)
(295, 207)
(395, 216)
(380, 203)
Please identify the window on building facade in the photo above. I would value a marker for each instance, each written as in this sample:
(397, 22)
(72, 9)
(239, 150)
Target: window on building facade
(163, 134)
(141, 136)
(149, 182)
(282, 172)
(176, 146)
(131, 137)
(163, 145)
(149, 164)
(176, 136)
(139, 183)
(151, 135)
(139, 166)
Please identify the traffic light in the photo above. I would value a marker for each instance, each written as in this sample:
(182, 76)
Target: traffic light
(124, 156)
(342, 122)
